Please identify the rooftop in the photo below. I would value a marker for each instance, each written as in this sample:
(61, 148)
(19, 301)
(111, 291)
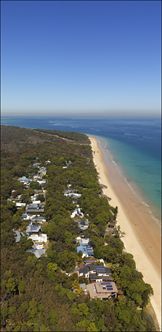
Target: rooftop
(102, 289)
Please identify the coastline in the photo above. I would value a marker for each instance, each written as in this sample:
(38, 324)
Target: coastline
(142, 236)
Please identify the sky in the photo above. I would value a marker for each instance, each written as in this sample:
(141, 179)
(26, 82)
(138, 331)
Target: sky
(80, 57)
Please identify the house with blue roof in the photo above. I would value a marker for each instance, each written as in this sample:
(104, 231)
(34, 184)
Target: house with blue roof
(86, 250)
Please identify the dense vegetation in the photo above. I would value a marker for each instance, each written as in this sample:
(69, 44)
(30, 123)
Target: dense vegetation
(38, 294)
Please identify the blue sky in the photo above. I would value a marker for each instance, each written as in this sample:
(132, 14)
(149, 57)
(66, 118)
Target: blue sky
(92, 57)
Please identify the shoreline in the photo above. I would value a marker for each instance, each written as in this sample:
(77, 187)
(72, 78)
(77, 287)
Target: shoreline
(141, 233)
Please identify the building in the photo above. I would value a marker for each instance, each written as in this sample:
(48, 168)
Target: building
(20, 205)
(41, 238)
(83, 224)
(25, 216)
(94, 271)
(37, 252)
(70, 193)
(77, 213)
(33, 228)
(38, 219)
(86, 250)
(34, 208)
(102, 290)
(82, 240)
(24, 180)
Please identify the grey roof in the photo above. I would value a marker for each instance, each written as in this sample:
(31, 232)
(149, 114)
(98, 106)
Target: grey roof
(93, 277)
(33, 228)
(97, 268)
(100, 269)
(37, 252)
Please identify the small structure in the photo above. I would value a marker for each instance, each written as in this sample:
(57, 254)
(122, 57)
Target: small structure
(102, 290)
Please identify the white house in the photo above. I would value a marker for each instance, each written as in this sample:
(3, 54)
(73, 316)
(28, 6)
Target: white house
(38, 238)
(20, 205)
(77, 213)
(82, 241)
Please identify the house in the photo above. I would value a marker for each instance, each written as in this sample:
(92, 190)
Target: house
(96, 278)
(37, 165)
(37, 252)
(33, 228)
(20, 205)
(83, 224)
(34, 208)
(41, 238)
(17, 236)
(38, 202)
(96, 270)
(102, 290)
(24, 180)
(38, 219)
(68, 163)
(25, 216)
(82, 240)
(77, 213)
(86, 250)
(71, 193)
(41, 182)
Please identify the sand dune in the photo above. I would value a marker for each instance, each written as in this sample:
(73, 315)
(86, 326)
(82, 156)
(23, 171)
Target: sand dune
(142, 234)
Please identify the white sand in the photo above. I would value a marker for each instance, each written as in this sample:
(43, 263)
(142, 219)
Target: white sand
(141, 240)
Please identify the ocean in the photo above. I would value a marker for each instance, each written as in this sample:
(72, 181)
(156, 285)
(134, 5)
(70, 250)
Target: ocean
(135, 145)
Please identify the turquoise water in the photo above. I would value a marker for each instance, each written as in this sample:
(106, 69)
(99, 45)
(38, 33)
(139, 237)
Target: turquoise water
(138, 168)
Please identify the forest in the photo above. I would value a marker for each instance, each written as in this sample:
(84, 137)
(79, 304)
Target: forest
(44, 294)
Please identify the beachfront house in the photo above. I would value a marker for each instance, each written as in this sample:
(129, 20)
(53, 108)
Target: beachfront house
(102, 290)
(95, 270)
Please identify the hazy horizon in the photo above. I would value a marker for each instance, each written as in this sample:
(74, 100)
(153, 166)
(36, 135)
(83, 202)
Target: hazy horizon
(81, 58)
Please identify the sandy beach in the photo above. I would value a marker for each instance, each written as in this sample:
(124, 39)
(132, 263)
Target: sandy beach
(142, 236)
